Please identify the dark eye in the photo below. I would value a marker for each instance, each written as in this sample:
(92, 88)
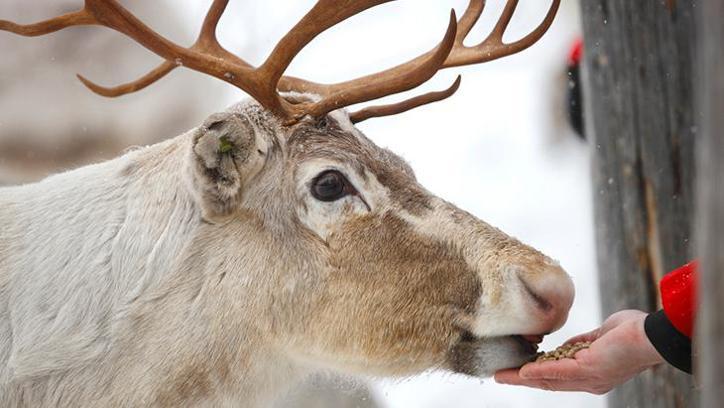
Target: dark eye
(330, 185)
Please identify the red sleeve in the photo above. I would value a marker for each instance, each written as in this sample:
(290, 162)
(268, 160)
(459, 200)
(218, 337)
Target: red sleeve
(678, 296)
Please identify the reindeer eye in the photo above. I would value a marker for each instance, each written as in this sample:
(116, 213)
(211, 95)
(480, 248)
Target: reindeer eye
(330, 185)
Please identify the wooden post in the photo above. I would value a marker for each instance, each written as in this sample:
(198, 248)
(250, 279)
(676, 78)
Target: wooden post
(710, 206)
(638, 96)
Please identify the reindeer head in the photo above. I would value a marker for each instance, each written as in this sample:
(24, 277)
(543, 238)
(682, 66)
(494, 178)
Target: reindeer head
(326, 243)
(362, 268)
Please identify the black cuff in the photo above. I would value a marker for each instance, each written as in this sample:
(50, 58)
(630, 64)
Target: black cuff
(673, 346)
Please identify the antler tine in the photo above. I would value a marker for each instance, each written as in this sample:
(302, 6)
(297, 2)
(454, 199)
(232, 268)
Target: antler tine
(394, 80)
(76, 18)
(538, 32)
(324, 15)
(467, 21)
(129, 87)
(503, 22)
(211, 21)
(406, 105)
(205, 43)
(493, 46)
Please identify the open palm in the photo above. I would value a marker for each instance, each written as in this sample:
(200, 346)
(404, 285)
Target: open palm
(619, 350)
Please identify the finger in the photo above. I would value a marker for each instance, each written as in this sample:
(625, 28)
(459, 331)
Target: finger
(566, 369)
(589, 336)
(554, 385)
(509, 376)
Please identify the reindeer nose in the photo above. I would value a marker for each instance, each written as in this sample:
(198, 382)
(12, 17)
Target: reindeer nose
(550, 293)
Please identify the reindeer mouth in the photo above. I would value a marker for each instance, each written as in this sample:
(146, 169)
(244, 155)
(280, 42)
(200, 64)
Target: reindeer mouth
(529, 342)
(483, 356)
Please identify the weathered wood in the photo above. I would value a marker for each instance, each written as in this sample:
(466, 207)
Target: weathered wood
(710, 206)
(638, 95)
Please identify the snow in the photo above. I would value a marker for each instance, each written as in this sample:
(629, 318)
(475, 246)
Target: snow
(494, 149)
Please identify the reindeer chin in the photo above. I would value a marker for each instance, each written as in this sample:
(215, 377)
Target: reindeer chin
(482, 357)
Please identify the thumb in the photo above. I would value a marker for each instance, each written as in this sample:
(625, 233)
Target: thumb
(588, 336)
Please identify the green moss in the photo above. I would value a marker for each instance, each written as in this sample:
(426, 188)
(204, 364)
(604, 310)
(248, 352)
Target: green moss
(225, 145)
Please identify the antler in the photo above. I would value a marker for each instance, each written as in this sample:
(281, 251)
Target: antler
(266, 82)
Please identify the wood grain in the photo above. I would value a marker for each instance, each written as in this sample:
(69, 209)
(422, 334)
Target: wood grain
(638, 97)
(710, 206)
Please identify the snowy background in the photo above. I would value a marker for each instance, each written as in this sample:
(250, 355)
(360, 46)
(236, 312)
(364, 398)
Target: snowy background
(498, 148)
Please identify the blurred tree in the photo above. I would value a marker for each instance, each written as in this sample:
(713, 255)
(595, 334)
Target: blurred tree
(710, 206)
(638, 92)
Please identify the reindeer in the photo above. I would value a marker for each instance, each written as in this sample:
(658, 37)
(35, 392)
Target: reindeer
(271, 242)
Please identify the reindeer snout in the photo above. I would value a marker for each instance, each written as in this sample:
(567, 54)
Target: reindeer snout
(549, 294)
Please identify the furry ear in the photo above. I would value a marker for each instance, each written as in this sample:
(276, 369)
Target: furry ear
(225, 155)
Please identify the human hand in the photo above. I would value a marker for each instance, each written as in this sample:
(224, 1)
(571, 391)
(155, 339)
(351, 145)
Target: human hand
(619, 350)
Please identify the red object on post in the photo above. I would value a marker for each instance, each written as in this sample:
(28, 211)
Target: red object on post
(575, 53)
(678, 296)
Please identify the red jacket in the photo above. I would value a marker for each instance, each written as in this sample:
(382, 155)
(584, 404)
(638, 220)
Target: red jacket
(678, 297)
(669, 330)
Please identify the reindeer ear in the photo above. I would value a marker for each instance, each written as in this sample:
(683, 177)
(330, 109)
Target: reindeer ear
(225, 156)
